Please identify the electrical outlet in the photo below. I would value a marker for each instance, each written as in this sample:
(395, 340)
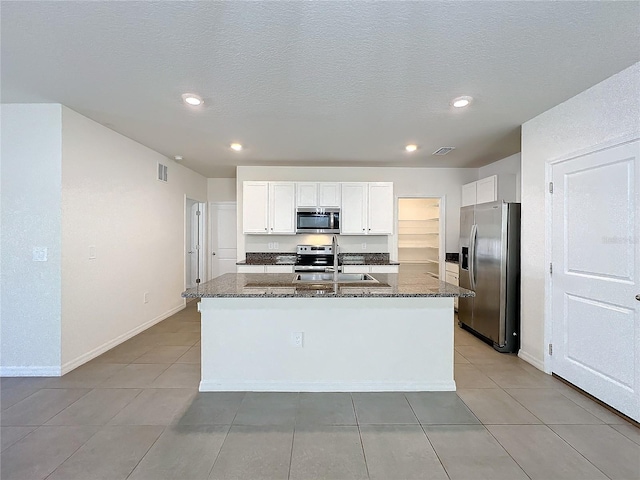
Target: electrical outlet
(364, 245)
(276, 245)
(297, 338)
(39, 254)
(270, 245)
(146, 297)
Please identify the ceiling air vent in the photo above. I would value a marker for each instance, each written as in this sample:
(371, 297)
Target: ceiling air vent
(443, 150)
(162, 172)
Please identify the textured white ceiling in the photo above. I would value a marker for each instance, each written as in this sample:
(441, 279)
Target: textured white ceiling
(314, 83)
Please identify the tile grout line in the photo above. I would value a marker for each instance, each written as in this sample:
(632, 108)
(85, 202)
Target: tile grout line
(435, 451)
(506, 451)
(427, 436)
(226, 435)
(293, 438)
(148, 449)
(552, 431)
(554, 390)
(364, 455)
(72, 453)
(578, 451)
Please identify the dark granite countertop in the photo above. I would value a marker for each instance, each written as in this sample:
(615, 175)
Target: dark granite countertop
(260, 258)
(265, 258)
(281, 285)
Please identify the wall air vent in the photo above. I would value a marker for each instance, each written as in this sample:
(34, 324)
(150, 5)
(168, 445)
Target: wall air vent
(162, 172)
(443, 150)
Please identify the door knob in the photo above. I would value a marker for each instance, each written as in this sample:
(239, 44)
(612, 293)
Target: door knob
(189, 253)
(213, 253)
(638, 297)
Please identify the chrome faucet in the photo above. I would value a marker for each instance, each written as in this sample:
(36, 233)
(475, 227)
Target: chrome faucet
(334, 247)
(335, 268)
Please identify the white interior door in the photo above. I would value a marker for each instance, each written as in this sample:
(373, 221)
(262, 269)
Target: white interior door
(195, 234)
(223, 238)
(596, 332)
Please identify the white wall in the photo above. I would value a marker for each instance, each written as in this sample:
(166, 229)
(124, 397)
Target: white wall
(31, 146)
(607, 111)
(407, 182)
(221, 189)
(112, 200)
(510, 165)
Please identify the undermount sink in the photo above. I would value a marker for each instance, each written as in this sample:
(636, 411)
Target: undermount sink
(328, 278)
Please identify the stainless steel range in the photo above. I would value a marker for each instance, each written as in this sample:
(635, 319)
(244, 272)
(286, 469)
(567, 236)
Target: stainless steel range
(314, 258)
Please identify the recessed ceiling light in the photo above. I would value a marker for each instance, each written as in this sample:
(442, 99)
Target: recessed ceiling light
(192, 99)
(178, 158)
(236, 146)
(411, 148)
(460, 102)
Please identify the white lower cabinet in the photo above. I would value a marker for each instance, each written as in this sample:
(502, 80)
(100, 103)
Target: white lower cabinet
(250, 268)
(452, 276)
(278, 268)
(370, 268)
(265, 269)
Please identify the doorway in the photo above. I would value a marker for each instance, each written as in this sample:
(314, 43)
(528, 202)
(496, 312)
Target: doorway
(223, 238)
(194, 256)
(595, 324)
(419, 235)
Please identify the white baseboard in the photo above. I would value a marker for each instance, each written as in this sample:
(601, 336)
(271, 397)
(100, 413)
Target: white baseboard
(539, 364)
(213, 386)
(84, 358)
(29, 371)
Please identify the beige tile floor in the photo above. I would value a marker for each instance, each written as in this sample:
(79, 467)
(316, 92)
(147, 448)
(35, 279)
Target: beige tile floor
(135, 413)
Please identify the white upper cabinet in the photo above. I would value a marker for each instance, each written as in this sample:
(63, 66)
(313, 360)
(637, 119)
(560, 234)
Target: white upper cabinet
(353, 214)
(380, 212)
(329, 195)
(282, 207)
(307, 194)
(268, 207)
(255, 207)
(469, 194)
(487, 189)
(490, 189)
(367, 208)
(313, 194)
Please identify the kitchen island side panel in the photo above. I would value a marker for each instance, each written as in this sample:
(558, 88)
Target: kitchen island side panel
(348, 344)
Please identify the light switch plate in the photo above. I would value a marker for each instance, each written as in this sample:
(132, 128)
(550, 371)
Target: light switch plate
(92, 252)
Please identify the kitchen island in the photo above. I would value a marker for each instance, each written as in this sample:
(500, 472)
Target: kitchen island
(265, 332)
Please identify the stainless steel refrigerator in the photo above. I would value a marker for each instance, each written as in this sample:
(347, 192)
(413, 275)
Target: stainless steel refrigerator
(490, 266)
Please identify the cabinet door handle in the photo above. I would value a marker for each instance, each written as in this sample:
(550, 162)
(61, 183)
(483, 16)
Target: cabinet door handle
(638, 297)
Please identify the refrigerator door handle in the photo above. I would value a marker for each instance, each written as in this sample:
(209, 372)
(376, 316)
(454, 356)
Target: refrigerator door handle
(472, 256)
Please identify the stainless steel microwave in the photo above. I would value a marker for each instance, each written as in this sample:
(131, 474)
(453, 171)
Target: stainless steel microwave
(318, 220)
